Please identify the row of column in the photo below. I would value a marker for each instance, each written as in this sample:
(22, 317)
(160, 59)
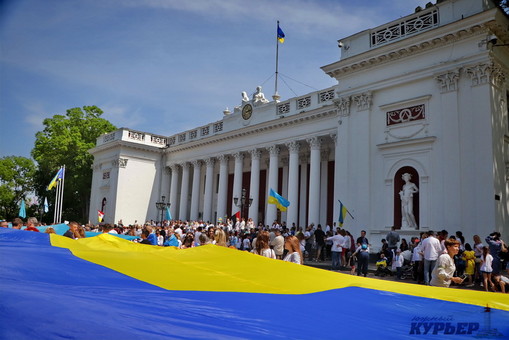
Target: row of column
(310, 212)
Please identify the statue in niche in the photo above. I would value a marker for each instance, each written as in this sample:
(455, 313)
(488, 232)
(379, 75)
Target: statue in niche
(407, 202)
(259, 97)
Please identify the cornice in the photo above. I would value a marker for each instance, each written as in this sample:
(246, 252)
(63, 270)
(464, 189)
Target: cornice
(411, 46)
(285, 122)
(125, 143)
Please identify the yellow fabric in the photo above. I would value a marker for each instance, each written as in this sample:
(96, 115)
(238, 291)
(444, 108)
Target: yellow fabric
(214, 268)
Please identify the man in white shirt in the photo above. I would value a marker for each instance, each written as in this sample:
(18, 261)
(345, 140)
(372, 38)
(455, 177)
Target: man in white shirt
(431, 249)
(337, 243)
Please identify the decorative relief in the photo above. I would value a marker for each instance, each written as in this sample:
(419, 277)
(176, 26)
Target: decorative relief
(283, 109)
(210, 161)
(119, 162)
(302, 103)
(334, 138)
(205, 131)
(293, 147)
(405, 28)
(497, 75)
(479, 74)
(325, 96)
(109, 137)
(136, 135)
(182, 137)
(324, 155)
(405, 115)
(106, 175)
(171, 140)
(343, 106)
(239, 156)
(174, 168)
(274, 150)
(363, 101)
(193, 134)
(448, 81)
(97, 167)
(314, 143)
(255, 154)
(223, 158)
(185, 166)
(218, 127)
(158, 140)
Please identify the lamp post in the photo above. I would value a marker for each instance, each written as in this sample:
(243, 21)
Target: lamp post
(243, 202)
(161, 206)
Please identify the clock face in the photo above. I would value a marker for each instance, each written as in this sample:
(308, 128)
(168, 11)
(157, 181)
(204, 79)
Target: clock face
(247, 111)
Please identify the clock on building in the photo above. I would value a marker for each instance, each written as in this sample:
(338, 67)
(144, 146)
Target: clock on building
(247, 111)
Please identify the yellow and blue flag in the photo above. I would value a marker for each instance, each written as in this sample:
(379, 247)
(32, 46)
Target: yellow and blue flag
(280, 202)
(280, 34)
(211, 286)
(58, 177)
(342, 214)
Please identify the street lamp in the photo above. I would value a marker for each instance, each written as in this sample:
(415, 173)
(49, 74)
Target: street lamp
(161, 206)
(244, 202)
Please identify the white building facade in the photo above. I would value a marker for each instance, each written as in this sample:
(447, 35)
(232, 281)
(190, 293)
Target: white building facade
(424, 95)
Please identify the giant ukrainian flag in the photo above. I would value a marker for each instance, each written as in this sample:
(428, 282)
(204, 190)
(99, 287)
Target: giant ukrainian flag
(105, 287)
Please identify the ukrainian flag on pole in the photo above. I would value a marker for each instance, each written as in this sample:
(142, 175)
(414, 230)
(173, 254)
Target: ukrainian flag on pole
(280, 34)
(280, 202)
(342, 214)
(58, 177)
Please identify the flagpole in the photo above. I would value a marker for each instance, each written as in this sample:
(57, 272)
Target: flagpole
(276, 95)
(56, 206)
(62, 195)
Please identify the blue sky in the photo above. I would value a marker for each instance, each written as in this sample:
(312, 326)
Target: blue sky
(164, 66)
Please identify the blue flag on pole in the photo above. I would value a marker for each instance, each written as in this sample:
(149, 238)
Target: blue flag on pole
(46, 205)
(22, 210)
(167, 216)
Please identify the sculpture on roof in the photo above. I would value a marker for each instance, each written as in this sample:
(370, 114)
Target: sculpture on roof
(259, 97)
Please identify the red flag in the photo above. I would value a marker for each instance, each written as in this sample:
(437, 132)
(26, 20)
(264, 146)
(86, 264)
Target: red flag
(236, 215)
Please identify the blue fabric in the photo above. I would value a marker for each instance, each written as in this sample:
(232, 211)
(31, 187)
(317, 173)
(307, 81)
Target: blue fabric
(48, 293)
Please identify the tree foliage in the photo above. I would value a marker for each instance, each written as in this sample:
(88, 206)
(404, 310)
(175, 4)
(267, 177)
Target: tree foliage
(16, 182)
(66, 140)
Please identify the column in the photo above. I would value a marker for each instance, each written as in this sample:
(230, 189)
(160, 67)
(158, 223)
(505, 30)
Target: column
(293, 183)
(209, 181)
(303, 209)
(340, 171)
(223, 186)
(165, 182)
(174, 190)
(255, 184)
(237, 181)
(284, 189)
(324, 179)
(184, 191)
(273, 179)
(195, 196)
(314, 180)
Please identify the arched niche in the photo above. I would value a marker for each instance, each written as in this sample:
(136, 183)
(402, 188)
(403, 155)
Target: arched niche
(398, 185)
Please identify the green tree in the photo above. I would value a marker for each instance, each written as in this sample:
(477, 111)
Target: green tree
(16, 183)
(66, 140)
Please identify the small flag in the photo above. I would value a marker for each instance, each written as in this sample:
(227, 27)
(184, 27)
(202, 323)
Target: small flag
(58, 177)
(168, 214)
(46, 206)
(280, 34)
(100, 216)
(22, 210)
(342, 213)
(280, 202)
(235, 216)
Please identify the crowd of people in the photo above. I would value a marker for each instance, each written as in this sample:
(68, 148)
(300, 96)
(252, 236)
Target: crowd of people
(436, 259)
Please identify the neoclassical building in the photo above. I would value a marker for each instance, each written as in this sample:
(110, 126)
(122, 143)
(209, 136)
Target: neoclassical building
(415, 134)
